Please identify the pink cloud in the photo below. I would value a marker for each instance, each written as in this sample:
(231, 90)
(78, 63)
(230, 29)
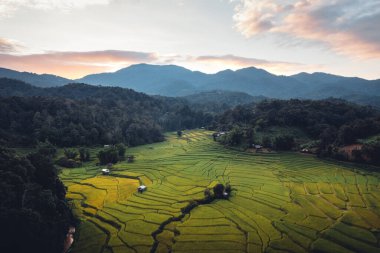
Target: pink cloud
(234, 62)
(8, 46)
(346, 26)
(78, 64)
(74, 64)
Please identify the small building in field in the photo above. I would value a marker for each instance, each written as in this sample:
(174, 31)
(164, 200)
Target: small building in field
(141, 188)
(106, 171)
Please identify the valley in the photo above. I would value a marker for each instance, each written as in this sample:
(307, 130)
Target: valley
(280, 202)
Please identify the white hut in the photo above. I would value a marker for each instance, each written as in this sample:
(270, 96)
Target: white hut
(105, 171)
(141, 188)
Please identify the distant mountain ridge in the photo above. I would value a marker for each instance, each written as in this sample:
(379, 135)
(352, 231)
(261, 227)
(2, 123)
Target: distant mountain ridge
(172, 80)
(44, 80)
(208, 101)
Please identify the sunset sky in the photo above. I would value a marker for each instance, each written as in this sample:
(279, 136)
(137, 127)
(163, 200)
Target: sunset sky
(73, 38)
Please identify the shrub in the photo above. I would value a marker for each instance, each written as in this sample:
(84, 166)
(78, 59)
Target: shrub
(267, 142)
(109, 155)
(218, 191)
(120, 149)
(46, 148)
(284, 142)
(228, 189)
(84, 154)
(67, 163)
(208, 194)
(70, 153)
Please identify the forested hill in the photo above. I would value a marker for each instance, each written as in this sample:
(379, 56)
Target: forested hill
(12, 87)
(325, 125)
(44, 80)
(34, 214)
(218, 101)
(171, 80)
(79, 114)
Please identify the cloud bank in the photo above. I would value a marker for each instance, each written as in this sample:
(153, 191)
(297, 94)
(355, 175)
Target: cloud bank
(8, 7)
(74, 64)
(348, 27)
(8, 46)
(241, 62)
(77, 64)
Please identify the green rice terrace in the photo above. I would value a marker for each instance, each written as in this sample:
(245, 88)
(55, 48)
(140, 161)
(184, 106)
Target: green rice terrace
(281, 202)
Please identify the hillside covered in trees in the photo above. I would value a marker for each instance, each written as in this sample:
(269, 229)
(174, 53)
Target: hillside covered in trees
(79, 114)
(325, 125)
(34, 214)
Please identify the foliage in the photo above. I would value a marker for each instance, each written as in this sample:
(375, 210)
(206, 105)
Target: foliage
(84, 154)
(208, 195)
(330, 123)
(238, 136)
(284, 142)
(218, 191)
(67, 162)
(108, 155)
(371, 151)
(267, 142)
(46, 148)
(33, 210)
(120, 150)
(228, 189)
(79, 114)
(70, 153)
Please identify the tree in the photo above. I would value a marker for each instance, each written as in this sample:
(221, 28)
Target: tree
(228, 189)
(371, 151)
(346, 135)
(266, 142)
(284, 142)
(84, 154)
(218, 191)
(109, 155)
(208, 194)
(70, 153)
(33, 212)
(121, 149)
(249, 136)
(46, 148)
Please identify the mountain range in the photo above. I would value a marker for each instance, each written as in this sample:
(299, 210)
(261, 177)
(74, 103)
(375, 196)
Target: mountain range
(44, 80)
(172, 80)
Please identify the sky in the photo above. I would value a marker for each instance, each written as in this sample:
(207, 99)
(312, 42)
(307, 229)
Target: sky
(73, 38)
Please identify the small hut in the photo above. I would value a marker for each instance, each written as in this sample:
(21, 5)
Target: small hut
(106, 171)
(141, 188)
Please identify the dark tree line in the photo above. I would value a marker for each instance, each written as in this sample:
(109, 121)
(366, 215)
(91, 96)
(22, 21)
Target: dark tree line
(332, 123)
(34, 215)
(79, 114)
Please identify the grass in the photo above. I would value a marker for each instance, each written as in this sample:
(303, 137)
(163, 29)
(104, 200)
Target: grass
(283, 202)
